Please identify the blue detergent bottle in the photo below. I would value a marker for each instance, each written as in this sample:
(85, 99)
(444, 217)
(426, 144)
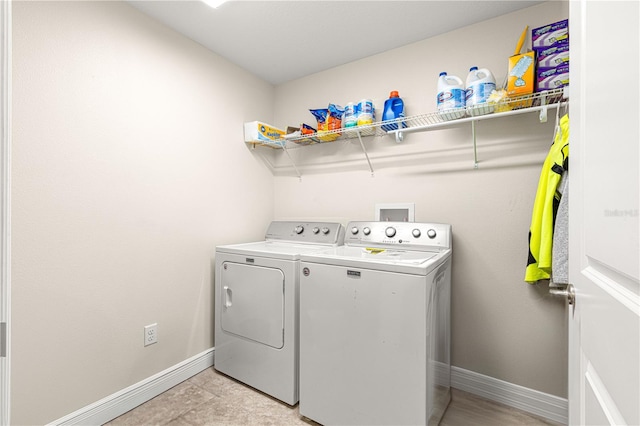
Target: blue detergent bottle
(393, 109)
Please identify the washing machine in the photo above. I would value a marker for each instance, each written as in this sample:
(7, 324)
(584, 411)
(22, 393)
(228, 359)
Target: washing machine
(256, 305)
(375, 326)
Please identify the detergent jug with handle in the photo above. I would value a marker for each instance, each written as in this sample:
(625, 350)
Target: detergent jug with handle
(480, 84)
(393, 109)
(451, 96)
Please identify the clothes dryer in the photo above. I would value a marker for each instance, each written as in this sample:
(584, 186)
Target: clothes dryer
(256, 305)
(374, 326)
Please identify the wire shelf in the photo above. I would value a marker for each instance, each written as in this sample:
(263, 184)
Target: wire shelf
(420, 123)
(508, 106)
(423, 122)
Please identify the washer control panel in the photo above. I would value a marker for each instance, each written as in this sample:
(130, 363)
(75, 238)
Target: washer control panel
(415, 235)
(306, 232)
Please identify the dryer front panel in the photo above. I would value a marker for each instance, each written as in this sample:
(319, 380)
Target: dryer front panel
(253, 303)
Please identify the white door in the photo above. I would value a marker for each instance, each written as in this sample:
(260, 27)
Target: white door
(604, 322)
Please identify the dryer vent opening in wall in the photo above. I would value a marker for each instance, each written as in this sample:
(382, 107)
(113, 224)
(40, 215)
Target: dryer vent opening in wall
(401, 212)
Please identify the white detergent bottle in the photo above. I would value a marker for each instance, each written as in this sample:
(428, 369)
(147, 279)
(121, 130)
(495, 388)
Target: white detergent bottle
(451, 96)
(480, 84)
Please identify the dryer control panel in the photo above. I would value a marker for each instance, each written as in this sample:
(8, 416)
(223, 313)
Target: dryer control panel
(306, 232)
(413, 235)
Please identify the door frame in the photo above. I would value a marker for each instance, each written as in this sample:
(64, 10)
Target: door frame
(5, 211)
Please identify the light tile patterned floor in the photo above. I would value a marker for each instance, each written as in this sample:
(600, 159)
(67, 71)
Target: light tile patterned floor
(210, 398)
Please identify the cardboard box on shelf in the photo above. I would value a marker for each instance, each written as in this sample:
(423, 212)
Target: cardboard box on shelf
(552, 78)
(550, 35)
(553, 56)
(258, 132)
(521, 77)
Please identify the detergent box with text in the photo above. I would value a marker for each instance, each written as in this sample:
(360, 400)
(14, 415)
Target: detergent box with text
(550, 35)
(552, 78)
(521, 77)
(553, 56)
(258, 132)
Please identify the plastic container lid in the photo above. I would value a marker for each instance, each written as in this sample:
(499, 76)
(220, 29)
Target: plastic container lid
(394, 94)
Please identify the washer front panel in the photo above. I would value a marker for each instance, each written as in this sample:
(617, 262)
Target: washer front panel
(364, 344)
(375, 326)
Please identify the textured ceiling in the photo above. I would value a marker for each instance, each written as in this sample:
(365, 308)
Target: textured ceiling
(285, 40)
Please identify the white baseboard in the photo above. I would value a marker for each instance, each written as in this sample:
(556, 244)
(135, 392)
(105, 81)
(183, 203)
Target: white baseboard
(535, 402)
(120, 402)
(539, 403)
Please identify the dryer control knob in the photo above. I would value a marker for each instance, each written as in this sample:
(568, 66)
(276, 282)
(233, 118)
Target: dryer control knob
(315, 230)
(366, 230)
(354, 230)
(431, 233)
(390, 231)
(298, 229)
(416, 233)
(325, 230)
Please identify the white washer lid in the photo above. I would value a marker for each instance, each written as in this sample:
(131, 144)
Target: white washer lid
(381, 259)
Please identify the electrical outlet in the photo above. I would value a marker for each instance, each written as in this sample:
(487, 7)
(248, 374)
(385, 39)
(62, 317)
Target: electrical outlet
(151, 334)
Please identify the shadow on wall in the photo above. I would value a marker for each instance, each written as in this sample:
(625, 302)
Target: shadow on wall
(523, 142)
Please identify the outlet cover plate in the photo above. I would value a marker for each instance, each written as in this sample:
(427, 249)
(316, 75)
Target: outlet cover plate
(151, 334)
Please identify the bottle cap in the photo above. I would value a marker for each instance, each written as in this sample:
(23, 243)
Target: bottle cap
(473, 69)
(443, 73)
(394, 94)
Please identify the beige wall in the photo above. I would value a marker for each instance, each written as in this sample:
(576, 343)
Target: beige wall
(128, 169)
(501, 326)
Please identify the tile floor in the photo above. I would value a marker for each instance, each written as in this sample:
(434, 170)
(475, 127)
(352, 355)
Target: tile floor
(210, 398)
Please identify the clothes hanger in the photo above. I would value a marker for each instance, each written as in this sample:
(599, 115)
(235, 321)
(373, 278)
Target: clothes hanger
(557, 131)
(566, 108)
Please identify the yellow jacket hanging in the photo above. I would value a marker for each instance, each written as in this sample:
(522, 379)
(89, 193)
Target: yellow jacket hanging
(546, 205)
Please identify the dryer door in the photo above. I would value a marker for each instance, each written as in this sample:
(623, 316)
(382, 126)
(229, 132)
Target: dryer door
(253, 303)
